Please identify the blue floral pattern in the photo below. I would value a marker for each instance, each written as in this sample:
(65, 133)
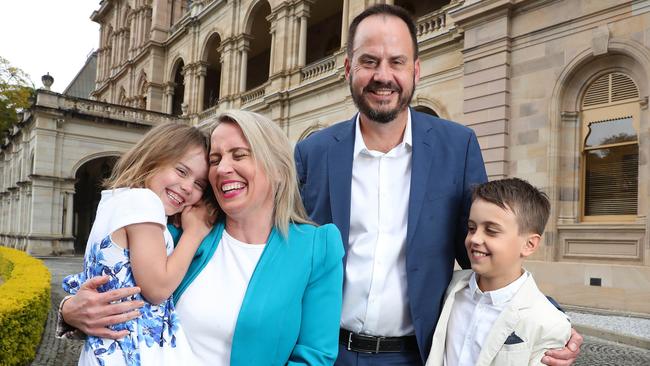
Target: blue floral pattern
(157, 325)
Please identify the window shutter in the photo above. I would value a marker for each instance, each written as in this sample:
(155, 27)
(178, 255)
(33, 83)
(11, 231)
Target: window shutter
(613, 87)
(611, 185)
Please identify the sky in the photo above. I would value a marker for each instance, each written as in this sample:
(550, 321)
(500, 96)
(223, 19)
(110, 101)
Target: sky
(40, 36)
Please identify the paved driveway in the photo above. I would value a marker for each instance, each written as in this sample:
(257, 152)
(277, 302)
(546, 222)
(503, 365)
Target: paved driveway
(53, 351)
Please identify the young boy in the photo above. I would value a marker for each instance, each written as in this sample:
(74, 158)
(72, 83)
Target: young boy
(494, 314)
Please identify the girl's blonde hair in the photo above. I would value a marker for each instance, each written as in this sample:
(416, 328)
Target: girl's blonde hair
(270, 147)
(162, 146)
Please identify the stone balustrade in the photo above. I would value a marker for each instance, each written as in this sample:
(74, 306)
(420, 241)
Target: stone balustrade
(207, 113)
(432, 23)
(105, 110)
(253, 94)
(319, 67)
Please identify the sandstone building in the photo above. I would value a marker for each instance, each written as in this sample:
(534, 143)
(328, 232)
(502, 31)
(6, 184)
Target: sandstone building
(556, 90)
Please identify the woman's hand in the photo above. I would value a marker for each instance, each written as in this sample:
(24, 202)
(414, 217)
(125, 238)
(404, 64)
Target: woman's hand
(92, 312)
(196, 220)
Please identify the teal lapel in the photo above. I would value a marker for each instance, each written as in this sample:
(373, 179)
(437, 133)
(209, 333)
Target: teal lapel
(259, 297)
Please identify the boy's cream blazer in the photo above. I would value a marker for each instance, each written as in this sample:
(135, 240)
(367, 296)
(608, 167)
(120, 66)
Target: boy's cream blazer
(537, 326)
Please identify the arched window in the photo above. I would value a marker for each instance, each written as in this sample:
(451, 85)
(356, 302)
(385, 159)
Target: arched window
(212, 82)
(179, 89)
(610, 148)
(259, 56)
(123, 100)
(324, 29)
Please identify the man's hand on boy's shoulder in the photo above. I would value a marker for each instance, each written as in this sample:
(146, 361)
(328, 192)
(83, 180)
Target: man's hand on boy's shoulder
(566, 356)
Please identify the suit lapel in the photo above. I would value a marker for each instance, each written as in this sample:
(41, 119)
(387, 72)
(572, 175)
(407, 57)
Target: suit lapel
(339, 163)
(505, 323)
(501, 329)
(421, 161)
(257, 296)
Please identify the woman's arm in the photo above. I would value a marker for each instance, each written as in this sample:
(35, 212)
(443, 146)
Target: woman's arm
(321, 305)
(157, 274)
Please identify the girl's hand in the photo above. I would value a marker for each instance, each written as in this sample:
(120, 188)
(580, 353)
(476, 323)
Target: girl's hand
(196, 220)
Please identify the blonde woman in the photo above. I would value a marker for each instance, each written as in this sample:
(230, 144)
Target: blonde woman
(265, 286)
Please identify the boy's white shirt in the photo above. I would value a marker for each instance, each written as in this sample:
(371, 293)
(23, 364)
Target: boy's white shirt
(529, 315)
(472, 318)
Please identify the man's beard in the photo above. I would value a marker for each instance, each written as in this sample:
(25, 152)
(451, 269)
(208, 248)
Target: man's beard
(381, 116)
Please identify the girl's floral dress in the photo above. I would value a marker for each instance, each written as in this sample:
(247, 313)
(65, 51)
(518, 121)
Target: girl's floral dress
(155, 338)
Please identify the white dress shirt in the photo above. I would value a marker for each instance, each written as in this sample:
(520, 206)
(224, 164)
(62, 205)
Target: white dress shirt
(210, 306)
(472, 316)
(375, 301)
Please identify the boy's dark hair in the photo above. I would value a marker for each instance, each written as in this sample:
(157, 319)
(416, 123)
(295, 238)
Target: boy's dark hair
(530, 206)
(383, 9)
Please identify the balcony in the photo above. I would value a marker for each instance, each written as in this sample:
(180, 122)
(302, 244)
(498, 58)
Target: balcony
(254, 94)
(318, 68)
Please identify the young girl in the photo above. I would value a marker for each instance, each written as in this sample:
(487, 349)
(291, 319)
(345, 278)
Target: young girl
(162, 175)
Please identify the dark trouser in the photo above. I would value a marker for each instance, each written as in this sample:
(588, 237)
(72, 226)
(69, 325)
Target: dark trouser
(352, 358)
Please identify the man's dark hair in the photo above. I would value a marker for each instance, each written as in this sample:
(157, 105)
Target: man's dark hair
(383, 9)
(529, 205)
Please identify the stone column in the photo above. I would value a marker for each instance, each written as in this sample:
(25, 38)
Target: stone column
(201, 72)
(136, 29)
(132, 34)
(100, 54)
(113, 57)
(344, 22)
(160, 20)
(187, 79)
(272, 58)
(244, 46)
(68, 206)
(169, 97)
(302, 46)
(147, 24)
(143, 26)
(224, 82)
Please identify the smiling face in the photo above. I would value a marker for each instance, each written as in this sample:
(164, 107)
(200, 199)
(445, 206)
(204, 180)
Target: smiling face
(239, 182)
(181, 184)
(382, 71)
(494, 245)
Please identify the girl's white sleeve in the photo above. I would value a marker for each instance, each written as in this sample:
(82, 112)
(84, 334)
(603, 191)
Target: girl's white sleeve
(135, 206)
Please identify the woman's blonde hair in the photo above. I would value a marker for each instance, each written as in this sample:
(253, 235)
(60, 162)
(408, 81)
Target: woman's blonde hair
(270, 147)
(162, 146)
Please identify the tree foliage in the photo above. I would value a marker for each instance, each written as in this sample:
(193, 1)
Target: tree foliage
(16, 88)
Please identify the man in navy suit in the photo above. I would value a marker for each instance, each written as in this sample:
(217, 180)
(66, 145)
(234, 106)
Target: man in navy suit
(397, 184)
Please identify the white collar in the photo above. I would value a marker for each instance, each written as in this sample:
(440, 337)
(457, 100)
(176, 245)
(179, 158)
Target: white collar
(360, 145)
(498, 296)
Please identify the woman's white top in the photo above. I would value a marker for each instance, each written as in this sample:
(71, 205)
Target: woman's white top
(210, 306)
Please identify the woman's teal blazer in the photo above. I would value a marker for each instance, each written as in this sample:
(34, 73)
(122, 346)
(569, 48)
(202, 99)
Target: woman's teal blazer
(292, 307)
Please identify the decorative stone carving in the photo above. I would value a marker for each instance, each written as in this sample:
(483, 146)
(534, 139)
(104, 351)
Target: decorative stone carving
(600, 40)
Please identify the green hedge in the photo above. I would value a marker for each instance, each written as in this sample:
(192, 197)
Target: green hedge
(24, 304)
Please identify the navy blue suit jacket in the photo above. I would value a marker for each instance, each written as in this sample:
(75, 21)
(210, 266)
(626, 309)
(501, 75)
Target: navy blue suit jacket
(446, 163)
